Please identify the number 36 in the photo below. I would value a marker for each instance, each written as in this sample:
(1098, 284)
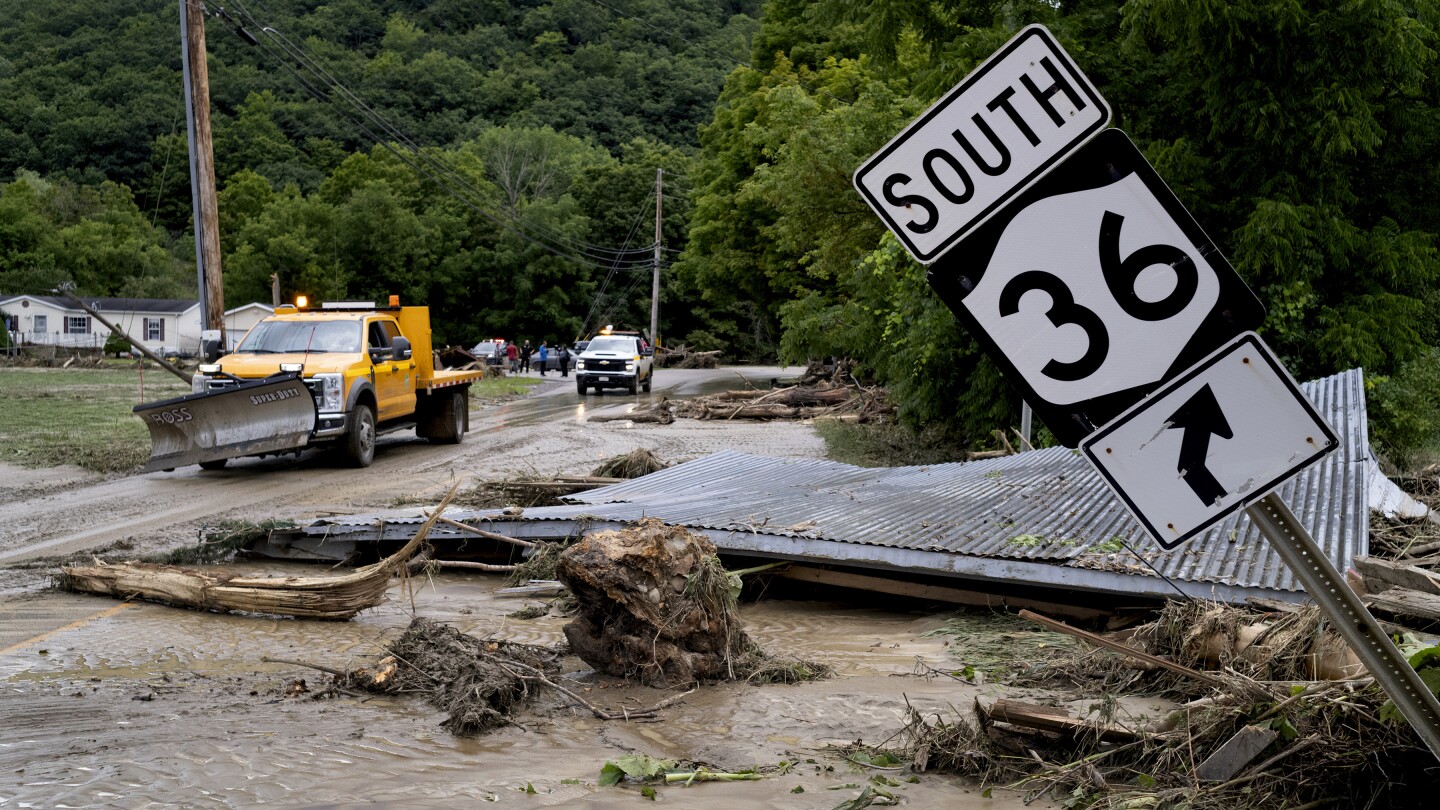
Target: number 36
(1120, 277)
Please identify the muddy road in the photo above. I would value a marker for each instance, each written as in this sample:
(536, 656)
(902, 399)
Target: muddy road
(50, 513)
(109, 704)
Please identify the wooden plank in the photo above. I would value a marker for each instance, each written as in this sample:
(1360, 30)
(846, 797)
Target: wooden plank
(1051, 718)
(939, 593)
(1405, 602)
(1405, 576)
(1236, 753)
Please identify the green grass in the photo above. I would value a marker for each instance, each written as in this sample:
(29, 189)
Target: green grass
(50, 416)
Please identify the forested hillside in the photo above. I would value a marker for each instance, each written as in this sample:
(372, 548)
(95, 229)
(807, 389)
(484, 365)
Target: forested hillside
(522, 140)
(544, 124)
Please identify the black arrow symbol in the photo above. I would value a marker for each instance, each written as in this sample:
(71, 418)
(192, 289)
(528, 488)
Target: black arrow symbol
(1200, 417)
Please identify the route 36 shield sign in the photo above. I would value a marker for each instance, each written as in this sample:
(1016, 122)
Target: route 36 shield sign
(1093, 288)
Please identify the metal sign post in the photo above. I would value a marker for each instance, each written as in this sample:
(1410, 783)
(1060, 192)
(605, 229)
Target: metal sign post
(1349, 617)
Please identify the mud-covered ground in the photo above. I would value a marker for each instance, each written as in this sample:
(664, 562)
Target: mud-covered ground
(110, 704)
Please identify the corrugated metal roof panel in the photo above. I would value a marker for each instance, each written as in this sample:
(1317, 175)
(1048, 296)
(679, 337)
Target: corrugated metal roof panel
(1045, 507)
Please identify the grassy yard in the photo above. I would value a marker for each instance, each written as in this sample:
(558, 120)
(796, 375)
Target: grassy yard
(50, 416)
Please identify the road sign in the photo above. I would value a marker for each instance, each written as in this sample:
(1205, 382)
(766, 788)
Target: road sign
(1211, 441)
(1093, 287)
(1000, 129)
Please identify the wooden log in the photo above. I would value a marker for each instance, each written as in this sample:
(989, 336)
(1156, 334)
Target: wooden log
(1405, 602)
(1398, 574)
(939, 593)
(335, 598)
(1050, 718)
(477, 566)
(660, 416)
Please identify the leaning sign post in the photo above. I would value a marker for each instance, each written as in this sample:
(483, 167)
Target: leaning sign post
(1099, 296)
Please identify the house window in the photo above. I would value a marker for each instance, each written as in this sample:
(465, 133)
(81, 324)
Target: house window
(77, 325)
(42, 323)
(154, 328)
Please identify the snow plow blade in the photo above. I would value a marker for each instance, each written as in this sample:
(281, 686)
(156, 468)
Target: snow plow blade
(266, 416)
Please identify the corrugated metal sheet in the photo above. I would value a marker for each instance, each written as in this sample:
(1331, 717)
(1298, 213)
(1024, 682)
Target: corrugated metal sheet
(1043, 516)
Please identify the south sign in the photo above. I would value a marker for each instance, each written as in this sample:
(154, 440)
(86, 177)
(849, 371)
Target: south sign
(999, 130)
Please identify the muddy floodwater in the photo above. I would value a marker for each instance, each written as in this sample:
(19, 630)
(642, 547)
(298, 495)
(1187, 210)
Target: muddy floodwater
(141, 705)
(132, 705)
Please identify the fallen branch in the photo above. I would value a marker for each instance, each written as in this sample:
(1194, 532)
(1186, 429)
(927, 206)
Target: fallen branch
(334, 598)
(1123, 649)
(465, 527)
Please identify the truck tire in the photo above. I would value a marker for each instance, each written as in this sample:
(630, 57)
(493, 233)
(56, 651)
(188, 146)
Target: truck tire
(580, 387)
(360, 440)
(634, 385)
(450, 419)
(649, 378)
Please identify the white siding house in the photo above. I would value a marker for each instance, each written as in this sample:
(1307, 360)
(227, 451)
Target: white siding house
(237, 322)
(162, 325)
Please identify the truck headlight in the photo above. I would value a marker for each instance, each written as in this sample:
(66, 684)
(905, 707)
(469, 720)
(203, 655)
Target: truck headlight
(579, 365)
(329, 392)
(629, 366)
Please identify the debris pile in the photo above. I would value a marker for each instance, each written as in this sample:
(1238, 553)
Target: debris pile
(538, 490)
(825, 399)
(634, 464)
(1401, 578)
(655, 604)
(478, 682)
(1263, 727)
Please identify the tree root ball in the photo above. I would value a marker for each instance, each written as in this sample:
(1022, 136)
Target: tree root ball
(655, 605)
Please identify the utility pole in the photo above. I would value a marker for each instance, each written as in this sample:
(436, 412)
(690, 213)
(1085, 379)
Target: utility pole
(655, 279)
(202, 168)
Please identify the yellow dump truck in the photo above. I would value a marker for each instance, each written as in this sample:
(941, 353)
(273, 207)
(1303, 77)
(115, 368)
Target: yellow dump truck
(338, 375)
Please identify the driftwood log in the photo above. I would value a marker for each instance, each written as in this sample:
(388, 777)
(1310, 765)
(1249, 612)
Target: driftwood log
(335, 598)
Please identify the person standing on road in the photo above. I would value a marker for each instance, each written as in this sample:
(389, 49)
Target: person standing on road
(564, 360)
(512, 354)
(544, 353)
(525, 352)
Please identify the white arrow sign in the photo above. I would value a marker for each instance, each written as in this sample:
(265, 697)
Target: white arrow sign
(1211, 441)
(999, 130)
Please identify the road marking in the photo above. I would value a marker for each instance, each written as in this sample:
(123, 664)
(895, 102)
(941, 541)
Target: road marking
(78, 623)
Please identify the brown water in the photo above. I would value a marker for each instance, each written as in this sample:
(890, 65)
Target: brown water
(145, 706)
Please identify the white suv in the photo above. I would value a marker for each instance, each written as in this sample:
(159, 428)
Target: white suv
(615, 361)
